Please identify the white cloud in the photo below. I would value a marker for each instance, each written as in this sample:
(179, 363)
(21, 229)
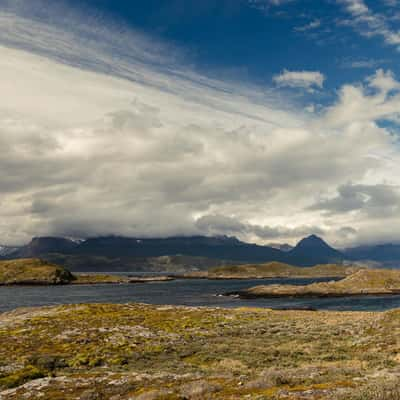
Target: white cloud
(308, 27)
(262, 4)
(301, 79)
(369, 23)
(356, 105)
(98, 138)
(384, 81)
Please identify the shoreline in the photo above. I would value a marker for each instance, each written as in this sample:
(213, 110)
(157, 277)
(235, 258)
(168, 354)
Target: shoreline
(99, 279)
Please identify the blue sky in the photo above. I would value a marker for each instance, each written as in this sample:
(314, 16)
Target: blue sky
(256, 40)
(264, 119)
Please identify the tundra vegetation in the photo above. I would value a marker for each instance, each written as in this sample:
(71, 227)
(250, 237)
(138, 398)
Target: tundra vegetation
(133, 351)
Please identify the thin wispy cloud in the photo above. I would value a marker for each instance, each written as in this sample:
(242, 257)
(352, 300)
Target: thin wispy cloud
(363, 64)
(369, 23)
(308, 27)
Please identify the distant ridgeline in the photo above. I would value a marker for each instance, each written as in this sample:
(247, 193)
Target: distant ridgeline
(180, 254)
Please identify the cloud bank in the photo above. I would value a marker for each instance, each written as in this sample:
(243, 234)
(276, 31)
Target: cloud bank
(102, 135)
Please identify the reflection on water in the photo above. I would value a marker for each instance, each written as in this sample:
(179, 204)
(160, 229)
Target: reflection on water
(189, 292)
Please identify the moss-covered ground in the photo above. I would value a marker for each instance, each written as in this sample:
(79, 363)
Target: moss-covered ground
(119, 352)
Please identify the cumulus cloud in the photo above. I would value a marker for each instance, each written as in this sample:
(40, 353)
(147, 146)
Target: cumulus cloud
(358, 105)
(300, 79)
(100, 135)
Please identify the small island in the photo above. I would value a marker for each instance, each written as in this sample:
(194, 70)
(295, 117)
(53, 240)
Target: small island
(33, 271)
(361, 283)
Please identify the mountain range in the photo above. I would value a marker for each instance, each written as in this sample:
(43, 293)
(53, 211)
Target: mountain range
(189, 253)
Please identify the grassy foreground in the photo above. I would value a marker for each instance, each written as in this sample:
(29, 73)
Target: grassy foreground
(142, 352)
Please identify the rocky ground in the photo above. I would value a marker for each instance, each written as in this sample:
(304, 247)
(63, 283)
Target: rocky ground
(119, 352)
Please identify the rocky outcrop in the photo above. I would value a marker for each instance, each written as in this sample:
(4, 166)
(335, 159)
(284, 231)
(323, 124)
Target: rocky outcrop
(33, 271)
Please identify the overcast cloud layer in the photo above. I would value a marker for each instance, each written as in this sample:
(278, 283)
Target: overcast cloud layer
(97, 138)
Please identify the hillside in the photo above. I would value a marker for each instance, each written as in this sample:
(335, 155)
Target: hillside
(162, 264)
(362, 282)
(386, 254)
(279, 270)
(32, 272)
(39, 246)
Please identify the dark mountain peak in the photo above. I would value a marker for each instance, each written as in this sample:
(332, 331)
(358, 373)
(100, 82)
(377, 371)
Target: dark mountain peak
(314, 250)
(312, 241)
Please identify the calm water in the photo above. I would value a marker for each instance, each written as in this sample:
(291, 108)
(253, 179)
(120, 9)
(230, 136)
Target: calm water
(181, 292)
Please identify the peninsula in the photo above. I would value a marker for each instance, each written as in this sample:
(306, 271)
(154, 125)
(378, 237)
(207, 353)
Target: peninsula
(361, 283)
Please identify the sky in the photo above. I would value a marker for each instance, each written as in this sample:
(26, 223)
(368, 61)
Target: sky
(267, 120)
